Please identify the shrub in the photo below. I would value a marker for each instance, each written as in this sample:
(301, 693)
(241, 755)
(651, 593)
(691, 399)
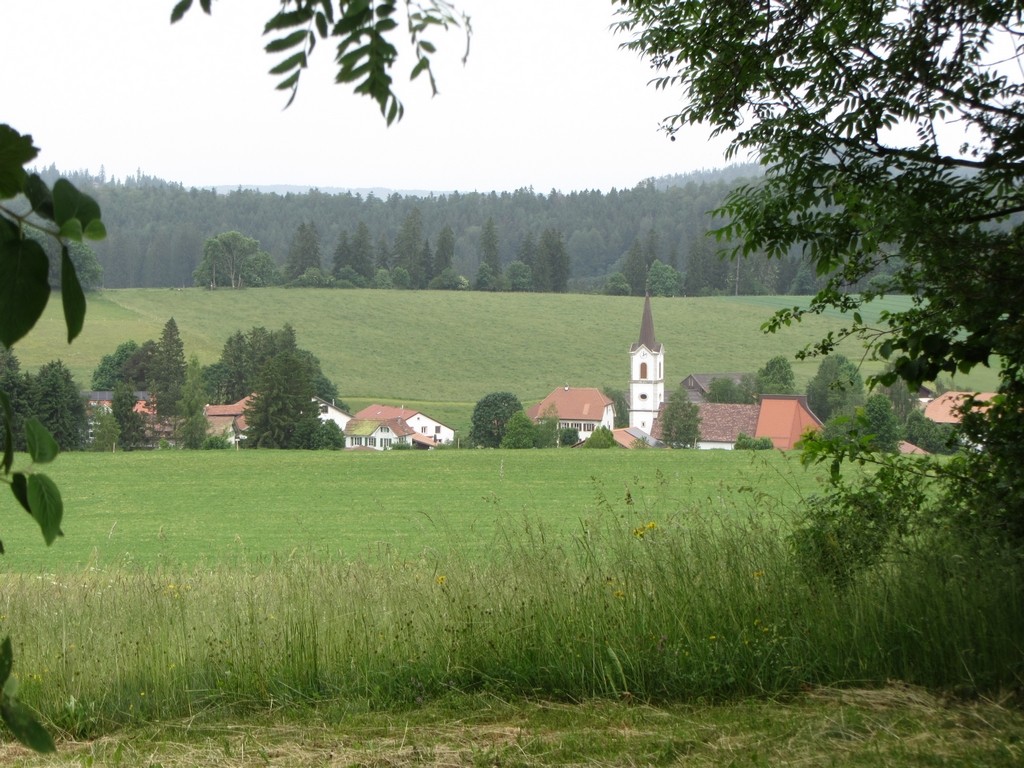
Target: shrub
(748, 443)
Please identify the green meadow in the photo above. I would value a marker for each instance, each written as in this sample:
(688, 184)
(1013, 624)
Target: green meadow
(183, 508)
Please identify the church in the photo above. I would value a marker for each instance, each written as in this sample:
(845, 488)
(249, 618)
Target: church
(782, 418)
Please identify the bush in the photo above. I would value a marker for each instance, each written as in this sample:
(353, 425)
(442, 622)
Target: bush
(748, 443)
(601, 437)
(216, 443)
(853, 528)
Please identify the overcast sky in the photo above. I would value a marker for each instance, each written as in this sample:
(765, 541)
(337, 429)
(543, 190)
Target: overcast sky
(547, 100)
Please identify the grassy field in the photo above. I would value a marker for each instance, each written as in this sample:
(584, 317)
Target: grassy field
(448, 347)
(185, 508)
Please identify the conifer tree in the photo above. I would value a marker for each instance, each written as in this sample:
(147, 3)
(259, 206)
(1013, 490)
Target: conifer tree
(168, 371)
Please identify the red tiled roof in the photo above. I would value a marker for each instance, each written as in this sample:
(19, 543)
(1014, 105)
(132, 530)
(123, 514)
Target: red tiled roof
(231, 409)
(377, 411)
(573, 404)
(723, 422)
(945, 409)
(785, 418)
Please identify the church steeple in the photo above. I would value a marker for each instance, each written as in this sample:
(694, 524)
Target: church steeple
(647, 327)
(647, 378)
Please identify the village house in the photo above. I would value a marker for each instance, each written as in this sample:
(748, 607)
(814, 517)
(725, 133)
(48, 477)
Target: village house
(581, 408)
(382, 426)
(228, 420)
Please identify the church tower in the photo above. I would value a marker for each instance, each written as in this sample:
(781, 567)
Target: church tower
(647, 374)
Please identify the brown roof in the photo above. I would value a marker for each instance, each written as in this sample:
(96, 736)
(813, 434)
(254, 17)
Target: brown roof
(945, 409)
(231, 409)
(647, 329)
(377, 411)
(910, 448)
(723, 422)
(573, 404)
(785, 418)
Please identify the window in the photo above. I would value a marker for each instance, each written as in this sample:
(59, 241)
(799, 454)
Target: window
(372, 442)
(588, 427)
(643, 370)
(385, 442)
(385, 429)
(424, 430)
(643, 396)
(437, 430)
(356, 440)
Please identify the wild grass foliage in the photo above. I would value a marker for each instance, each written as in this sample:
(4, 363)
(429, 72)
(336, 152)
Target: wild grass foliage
(643, 602)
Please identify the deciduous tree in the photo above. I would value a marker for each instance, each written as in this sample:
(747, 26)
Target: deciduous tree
(680, 421)
(490, 415)
(891, 138)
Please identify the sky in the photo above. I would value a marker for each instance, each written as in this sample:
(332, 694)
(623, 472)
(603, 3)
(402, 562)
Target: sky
(547, 99)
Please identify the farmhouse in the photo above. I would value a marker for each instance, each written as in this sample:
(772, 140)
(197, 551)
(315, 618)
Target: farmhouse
(382, 426)
(782, 418)
(581, 408)
(331, 412)
(228, 420)
(947, 407)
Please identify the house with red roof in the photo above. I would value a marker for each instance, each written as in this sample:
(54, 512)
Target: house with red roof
(782, 418)
(947, 408)
(383, 426)
(228, 420)
(581, 408)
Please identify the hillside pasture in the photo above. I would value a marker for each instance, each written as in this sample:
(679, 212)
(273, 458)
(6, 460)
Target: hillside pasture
(444, 347)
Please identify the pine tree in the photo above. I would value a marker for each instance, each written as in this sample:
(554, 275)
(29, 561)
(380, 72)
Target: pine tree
(304, 252)
(192, 431)
(54, 399)
(444, 253)
(168, 371)
(129, 421)
(489, 251)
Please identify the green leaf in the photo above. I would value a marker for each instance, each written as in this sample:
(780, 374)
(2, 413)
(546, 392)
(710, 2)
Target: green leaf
(8, 435)
(293, 61)
(19, 487)
(69, 203)
(95, 230)
(72, 296)
(39, 196)
(284, 43)
(180, 10)
(41, 446)
(24, 287)
(72, 230)
(24, 725)
(46, 505)
(15, 152)
(6, 661)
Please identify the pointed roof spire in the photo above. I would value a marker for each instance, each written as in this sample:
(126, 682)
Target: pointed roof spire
(647, 328)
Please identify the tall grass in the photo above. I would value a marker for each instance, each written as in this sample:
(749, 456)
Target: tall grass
(639, 603)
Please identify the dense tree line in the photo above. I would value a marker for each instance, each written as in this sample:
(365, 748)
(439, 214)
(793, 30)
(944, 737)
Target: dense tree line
(160, 235)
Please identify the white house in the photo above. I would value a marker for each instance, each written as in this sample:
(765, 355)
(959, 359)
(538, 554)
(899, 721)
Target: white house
(377, 434)
(420, 422)
(582, 408)
(331, 412)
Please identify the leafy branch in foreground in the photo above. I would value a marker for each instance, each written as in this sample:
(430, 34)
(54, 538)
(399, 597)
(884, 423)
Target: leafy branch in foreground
(891, 136)
(362, 30)
(28, 205)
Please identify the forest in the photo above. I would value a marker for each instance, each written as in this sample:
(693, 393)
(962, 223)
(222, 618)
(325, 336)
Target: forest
(586, 241)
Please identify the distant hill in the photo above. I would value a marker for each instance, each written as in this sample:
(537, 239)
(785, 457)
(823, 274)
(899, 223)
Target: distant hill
(157, 228)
